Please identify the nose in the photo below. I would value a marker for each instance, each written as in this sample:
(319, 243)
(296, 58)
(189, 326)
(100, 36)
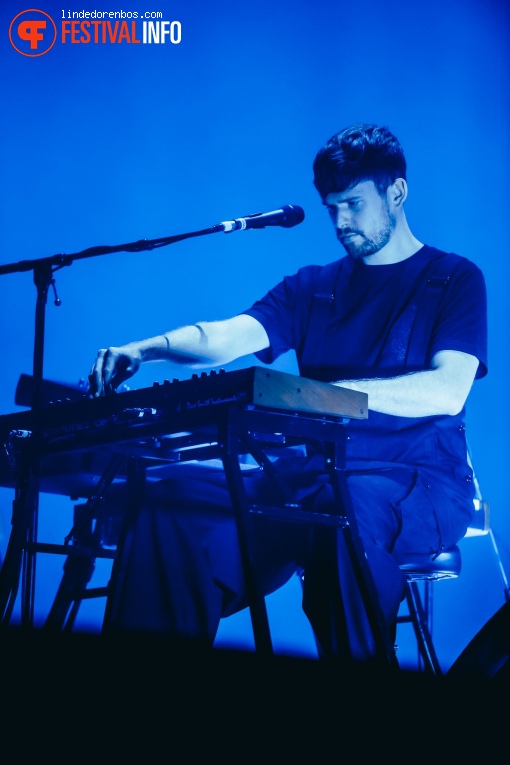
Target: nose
(341, 217)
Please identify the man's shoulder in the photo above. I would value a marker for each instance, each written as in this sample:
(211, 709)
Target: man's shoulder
(315, 279)
(454, 277)
(445, 257)
(316, 272)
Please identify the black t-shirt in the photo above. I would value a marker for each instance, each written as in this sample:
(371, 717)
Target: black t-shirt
(348, 320)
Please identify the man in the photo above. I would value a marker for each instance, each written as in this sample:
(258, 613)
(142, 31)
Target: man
(394, 318)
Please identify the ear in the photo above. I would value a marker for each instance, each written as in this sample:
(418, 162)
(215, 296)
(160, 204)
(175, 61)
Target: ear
(397, 193)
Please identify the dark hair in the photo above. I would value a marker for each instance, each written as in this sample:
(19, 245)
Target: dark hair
(359, 153)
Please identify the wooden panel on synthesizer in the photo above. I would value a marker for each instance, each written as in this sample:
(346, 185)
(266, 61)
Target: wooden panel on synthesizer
(280, 390)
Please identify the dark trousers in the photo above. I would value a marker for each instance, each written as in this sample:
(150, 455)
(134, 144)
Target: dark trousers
(183, 571)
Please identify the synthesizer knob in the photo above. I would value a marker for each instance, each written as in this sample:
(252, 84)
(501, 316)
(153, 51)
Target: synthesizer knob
(194, 376)
(212, 372)
(155, 384)
(203, 374)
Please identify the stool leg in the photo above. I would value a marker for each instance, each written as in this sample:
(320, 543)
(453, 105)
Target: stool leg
(419, 619)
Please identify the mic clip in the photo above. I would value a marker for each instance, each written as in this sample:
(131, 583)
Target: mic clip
(239, 224)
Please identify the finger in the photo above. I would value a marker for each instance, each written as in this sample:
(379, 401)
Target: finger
(118, 366)
(109, 363)
(119, 378)
(125, 369)
(95, 377)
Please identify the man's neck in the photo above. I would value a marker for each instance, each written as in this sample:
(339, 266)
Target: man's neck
(401, 246)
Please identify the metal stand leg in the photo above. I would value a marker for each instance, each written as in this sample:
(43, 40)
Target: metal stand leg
(87, 540)
(241, 507)
(325, 566)
(384, 645)
(24, 508)
(136, 480)
(78, 570)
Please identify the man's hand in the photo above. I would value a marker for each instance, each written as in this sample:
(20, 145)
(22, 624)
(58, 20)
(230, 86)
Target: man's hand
(111, 368)
(198, 346)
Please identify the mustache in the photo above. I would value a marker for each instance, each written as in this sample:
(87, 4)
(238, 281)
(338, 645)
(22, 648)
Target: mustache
(341, 233)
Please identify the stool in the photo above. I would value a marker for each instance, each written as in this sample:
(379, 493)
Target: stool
(426, 569)
(429, 569)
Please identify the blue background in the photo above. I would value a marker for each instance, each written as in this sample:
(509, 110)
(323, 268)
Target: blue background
(107, 144)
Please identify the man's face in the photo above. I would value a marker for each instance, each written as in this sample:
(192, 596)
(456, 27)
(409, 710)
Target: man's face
(362, 218)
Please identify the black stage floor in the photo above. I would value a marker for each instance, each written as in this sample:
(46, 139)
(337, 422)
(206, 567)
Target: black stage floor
(138, 698)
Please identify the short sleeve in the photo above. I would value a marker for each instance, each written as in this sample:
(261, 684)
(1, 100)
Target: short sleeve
(283, 312)
(462, 318)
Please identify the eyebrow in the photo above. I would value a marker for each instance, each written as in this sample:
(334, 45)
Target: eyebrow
(349, 199)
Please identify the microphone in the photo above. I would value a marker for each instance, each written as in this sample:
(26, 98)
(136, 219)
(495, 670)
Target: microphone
(287, 216)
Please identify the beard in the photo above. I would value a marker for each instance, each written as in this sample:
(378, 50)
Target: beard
(370, 244)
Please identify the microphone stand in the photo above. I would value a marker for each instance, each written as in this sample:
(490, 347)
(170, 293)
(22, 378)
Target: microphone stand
(20, 555)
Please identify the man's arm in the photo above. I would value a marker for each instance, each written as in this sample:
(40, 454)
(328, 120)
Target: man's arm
(205, 344)
(441, 390)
